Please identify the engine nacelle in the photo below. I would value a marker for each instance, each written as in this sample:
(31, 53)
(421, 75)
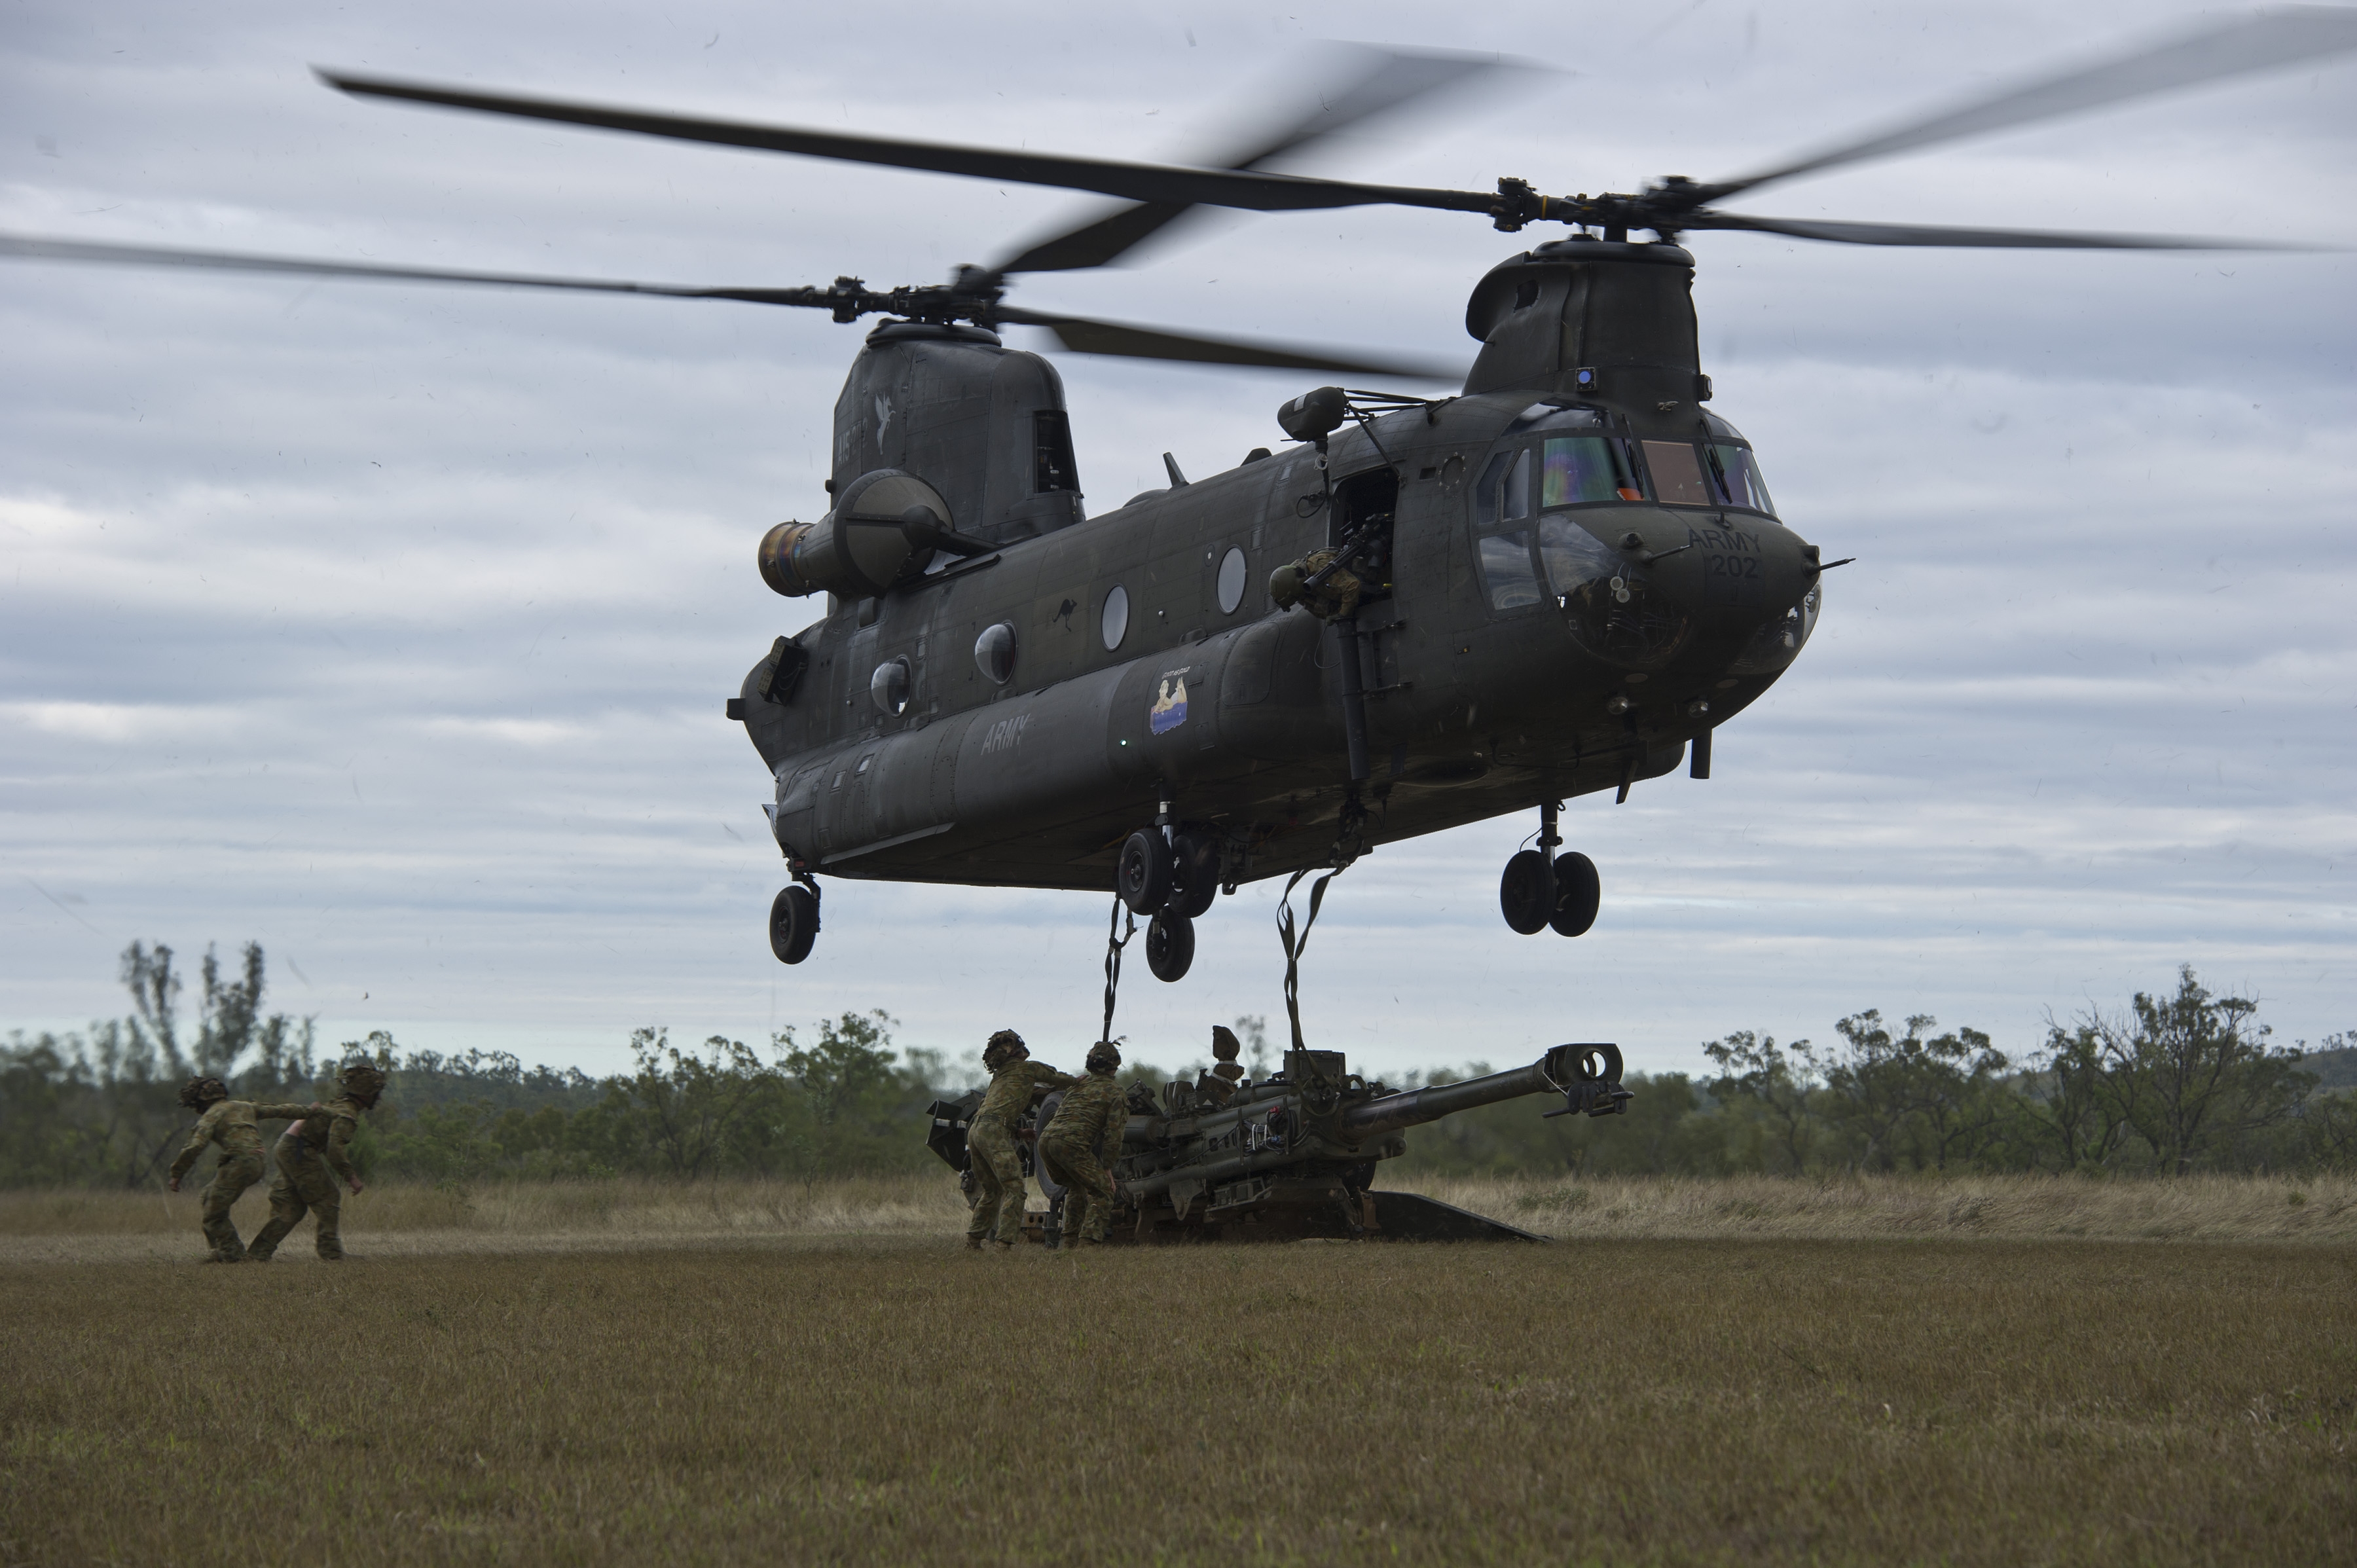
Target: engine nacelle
(885, 529)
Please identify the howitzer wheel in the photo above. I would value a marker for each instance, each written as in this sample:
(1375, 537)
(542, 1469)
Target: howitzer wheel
(793, 923)
(1526, 892)
(1170, 946)
(1578, 892)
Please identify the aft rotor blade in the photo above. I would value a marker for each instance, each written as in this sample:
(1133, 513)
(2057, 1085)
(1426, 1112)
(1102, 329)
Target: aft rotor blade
(1374, 82)
(34, 247)
(1081, 335)
(2290, 35)
(1251, 190)
(1979, 239)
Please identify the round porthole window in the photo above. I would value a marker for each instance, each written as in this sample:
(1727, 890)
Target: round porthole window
(1115, 624)
(888, 687)
(994, 651)
(1231, 581)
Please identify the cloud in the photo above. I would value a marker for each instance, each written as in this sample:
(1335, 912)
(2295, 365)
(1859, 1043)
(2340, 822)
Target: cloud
(391, 627)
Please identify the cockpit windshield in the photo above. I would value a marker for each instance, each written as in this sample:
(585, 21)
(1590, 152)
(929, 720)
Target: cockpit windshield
(1554, 459)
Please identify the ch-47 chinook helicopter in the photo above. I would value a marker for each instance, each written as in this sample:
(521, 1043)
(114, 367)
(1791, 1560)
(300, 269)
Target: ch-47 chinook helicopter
(1555, 583)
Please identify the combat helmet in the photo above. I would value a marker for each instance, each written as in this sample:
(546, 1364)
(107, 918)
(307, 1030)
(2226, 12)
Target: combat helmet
(1104, 1056)
(199, 1092)
(1002, 1048)
(362, 1080)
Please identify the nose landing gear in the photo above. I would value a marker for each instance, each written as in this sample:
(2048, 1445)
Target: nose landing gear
(1173, 879)
(1541, 890)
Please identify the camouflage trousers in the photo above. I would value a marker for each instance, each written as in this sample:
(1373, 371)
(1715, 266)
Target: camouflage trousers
(998, 1192)
(1088, 1187)
(304, 1184)
(230, 1178)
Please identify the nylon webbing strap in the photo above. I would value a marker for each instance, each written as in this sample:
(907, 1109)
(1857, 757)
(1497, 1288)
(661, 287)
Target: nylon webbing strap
(1297, 943)
(1114, 944)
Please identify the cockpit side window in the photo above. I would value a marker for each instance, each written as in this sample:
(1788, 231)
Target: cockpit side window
(1735, 476)
(1515, 505)
(1509, 575)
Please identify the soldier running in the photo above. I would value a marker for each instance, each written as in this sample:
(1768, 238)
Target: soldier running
(232, 1124)
(312, 1156)
(999, 1196)
(1082, 1143)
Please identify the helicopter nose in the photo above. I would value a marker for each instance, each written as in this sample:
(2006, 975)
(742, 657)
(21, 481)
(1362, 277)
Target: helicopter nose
(1647, 588)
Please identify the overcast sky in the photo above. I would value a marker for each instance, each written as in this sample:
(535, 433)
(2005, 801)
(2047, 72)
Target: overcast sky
(390, 625)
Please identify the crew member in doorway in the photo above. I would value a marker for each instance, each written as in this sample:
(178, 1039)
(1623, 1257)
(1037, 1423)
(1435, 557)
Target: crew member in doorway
(1336, 598)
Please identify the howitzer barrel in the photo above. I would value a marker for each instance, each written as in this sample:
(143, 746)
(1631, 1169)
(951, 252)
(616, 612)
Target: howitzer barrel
(1564, 1069)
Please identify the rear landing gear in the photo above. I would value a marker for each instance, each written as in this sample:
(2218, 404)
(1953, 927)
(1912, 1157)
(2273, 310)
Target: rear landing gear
(1541, 890)
(793, 921)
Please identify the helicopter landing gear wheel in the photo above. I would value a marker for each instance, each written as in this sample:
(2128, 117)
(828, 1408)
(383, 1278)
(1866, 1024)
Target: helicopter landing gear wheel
(793, 923)
(1578, 891)
(1194, 873)
(1526, 892)
(1141, 875)
(1169, 946)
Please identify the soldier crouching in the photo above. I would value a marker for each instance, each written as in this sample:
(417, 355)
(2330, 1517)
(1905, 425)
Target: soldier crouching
(313, 1155)
(1081, 1142)
(991, 1154)
(232, 1124)
(1335, 599)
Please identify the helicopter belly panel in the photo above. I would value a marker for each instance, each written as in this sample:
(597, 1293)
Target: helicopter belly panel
(1034, 752)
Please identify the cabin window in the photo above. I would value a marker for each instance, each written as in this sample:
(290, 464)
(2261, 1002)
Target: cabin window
(994, 652)
(1677, 474)
(1052, 452)
(888, 689)
(1231, 581)
(1115, 622)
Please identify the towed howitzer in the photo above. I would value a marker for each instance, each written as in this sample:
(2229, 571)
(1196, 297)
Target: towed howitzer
(1295, 1155)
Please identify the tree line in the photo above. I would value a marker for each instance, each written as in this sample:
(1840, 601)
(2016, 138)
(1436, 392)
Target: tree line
(2175, 1083)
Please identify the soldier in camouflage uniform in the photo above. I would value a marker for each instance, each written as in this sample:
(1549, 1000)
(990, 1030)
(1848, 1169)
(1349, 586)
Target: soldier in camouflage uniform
(990, 1147)
(1337, 599)
(312, 1156)
(1082, 1143)
(232, 1124)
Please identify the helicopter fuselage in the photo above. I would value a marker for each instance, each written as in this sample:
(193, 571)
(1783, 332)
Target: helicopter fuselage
(1514, 648)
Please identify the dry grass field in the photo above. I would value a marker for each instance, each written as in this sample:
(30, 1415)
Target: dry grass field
(119, 1226)
(1704, 1373)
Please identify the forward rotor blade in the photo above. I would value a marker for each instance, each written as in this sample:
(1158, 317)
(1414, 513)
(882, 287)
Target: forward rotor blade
(1081, 335)
(1370, 84)
(34, 247)
(2287, 35)
(1977, 239)
(1250, 191)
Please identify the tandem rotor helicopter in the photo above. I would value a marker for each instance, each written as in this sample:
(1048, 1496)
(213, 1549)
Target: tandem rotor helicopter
(1421, 613)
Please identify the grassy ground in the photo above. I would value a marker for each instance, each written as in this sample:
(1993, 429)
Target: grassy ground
(406, 1220)
(816, 1399)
